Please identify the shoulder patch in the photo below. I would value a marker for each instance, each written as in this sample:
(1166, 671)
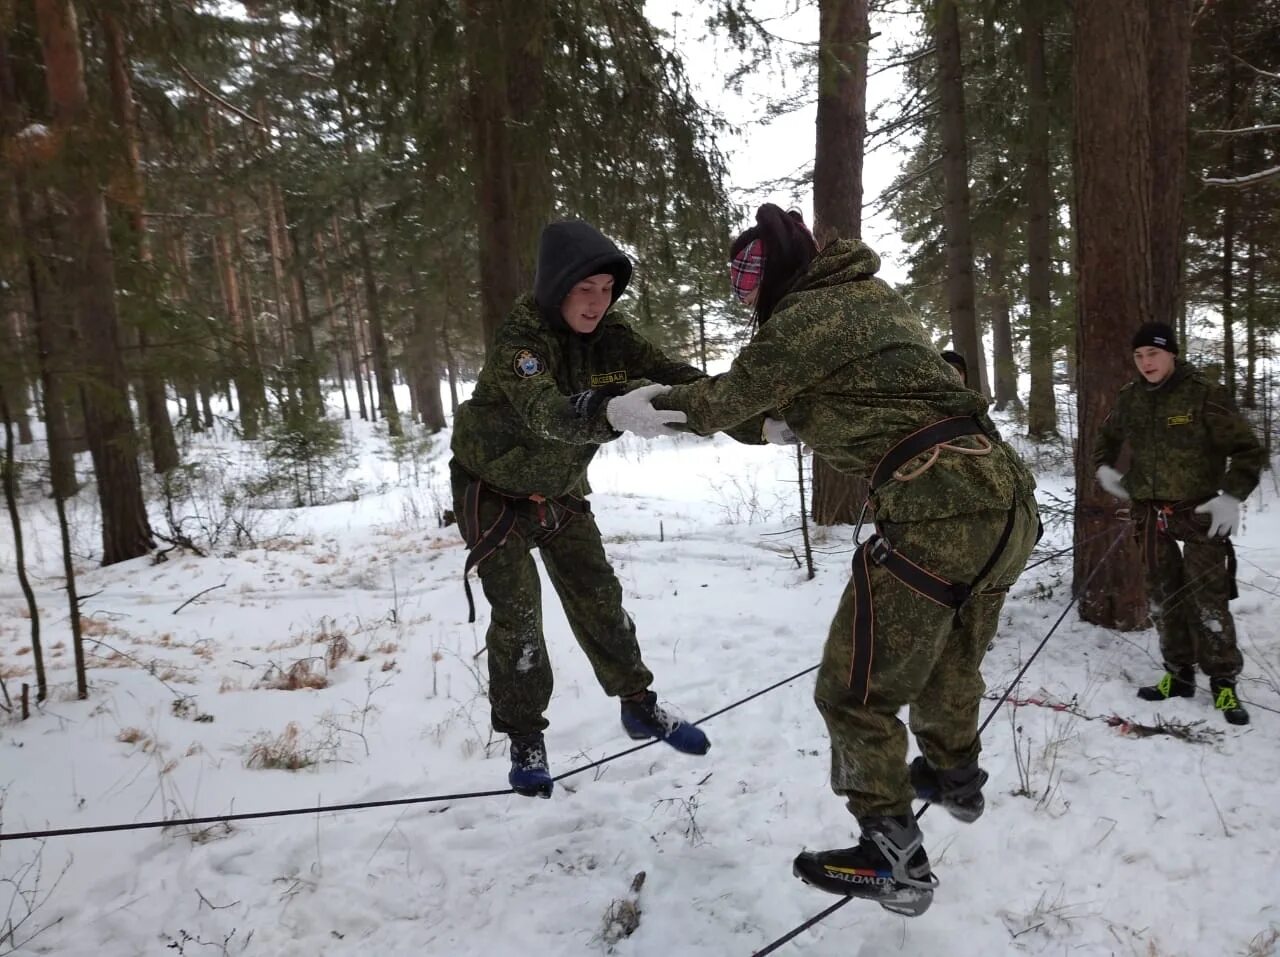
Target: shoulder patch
(528, 364)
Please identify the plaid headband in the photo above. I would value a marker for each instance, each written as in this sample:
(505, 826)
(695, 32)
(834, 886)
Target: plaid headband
(746, 269)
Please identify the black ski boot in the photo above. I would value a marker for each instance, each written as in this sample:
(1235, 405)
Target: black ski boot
(959, 790)
(529, 775)
(1181, 684)
(888, 866)
(1225, 700)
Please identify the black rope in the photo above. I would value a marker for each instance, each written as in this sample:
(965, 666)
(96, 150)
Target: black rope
(362, 805)
(796, 931)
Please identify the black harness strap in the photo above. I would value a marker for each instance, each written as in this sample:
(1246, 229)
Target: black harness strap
(1165, 513)
(484, 544)
(921, 441)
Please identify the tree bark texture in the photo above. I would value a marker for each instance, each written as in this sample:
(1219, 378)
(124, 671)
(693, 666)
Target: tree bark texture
(1042, 409)
(1113, 276)
(955, 174)
(126, 532)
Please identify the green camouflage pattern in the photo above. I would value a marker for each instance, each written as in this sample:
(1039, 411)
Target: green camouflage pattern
(1189, 591)
(1186, 438)
(852, 371)
(520, 675)
(518, 431)
(925, 656)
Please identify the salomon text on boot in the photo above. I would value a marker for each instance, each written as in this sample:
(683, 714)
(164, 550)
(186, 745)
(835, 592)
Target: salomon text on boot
(888, 865)
(529, 775)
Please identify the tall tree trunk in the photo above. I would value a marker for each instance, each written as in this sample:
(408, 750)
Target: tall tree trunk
(1229, 207)
(424, 366)
(1113, 277)
(1169, 81)
(526, 31)
(499, 245)
(955, 174)
(1006, 371)
(331, 309)
(164, 450)
(377, 331)
(1042, 409)
(350, 311)
(113, 444)
(1251, 324)
(8, 473)
(843, 39)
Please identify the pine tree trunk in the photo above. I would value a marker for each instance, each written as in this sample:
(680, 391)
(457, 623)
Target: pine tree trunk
(1251, 325)
(307, 367)
(1113, 276)
(491, 153)
(1229, 208)
(1006, 384)
(155, 405)
(955, 174)
(331, 309)
(1169, 81)
(8, 473)
(843, 40)
(526, 31)
(113, 444)
(1042, 410)
(349, 310)
(377, 332)
(425, 363)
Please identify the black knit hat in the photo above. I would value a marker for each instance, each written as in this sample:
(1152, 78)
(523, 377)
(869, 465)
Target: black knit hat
(1158, 334)
(570, 251)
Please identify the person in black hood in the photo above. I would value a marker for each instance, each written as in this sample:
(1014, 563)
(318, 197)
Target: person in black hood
(565, 374)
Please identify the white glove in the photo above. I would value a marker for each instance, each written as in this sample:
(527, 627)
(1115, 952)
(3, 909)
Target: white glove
(776, 432)
(1224, 514)
(1112, 482)
(634, 412)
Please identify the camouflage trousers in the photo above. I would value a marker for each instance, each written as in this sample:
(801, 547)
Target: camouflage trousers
(1189, 589)
(520, 676)
(922, 654)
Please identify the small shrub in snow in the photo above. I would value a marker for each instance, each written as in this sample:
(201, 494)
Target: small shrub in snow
(285, 751)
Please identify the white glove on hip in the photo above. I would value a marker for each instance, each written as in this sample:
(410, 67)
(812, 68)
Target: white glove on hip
(776, 432)
(634, 412)
(1224, 514)
(1112, 482)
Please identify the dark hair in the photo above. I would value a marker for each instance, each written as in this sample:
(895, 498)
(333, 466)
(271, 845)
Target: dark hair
(788, 250)
(957, 360)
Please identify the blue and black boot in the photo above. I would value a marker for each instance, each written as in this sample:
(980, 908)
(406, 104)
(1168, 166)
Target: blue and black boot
(529, 775)
(643, 718)
(1174, 684)
(1225, 700)
(888, 865)
(959, 790)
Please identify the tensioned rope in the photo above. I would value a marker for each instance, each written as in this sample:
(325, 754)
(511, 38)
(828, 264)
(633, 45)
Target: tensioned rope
(816, 918)
(363, 805)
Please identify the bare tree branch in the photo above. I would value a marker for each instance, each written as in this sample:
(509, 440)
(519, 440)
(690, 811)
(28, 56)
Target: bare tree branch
(216, 98)
(1247, 180)
(1260, 128)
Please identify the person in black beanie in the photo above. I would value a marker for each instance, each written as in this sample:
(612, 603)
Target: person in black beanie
(1193, 459)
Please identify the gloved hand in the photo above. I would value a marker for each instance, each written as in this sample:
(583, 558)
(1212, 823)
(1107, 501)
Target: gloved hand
(1224, 514)
(634, 412)
(586, 404)
(1111, 482)
(776, 432)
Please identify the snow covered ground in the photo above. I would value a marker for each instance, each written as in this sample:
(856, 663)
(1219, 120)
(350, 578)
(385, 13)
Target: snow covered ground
(1095, 841)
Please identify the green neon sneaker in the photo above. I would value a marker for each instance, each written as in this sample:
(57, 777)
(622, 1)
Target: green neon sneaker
(1225, 700)
(1171, 685)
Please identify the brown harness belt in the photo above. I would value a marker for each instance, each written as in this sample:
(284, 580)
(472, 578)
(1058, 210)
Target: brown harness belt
(482, 544)
(878, 550)
(1166, 513)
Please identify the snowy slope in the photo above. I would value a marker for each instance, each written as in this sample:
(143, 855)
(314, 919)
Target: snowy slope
(1095, 841)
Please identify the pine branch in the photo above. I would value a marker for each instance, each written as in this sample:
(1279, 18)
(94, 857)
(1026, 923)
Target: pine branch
(216, 98)
(1260, 128)
(905, 61)
(1260, 72)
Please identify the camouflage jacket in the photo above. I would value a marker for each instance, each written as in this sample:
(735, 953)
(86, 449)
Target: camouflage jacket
(519, 432)
(1186, 439)
(851, 369)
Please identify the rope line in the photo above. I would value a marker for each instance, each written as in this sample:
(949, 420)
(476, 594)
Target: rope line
(363, 805)
(796, 931)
